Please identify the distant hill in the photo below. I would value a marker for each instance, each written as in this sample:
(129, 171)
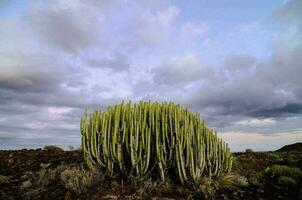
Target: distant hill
(291, 147)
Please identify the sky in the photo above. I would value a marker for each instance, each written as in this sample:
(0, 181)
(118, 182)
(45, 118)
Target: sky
(238, 63)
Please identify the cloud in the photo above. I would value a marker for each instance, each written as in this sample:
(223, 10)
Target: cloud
(288, 14)
(61, 56)
(153, 28)
(118, 61)
(23, 72)
(236, 95)
(190, 32)
(179, 70)
(240, 61)
(256, 122)
(63, 26)
(271, 88)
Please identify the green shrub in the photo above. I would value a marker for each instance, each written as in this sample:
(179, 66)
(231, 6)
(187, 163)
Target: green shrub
(241, 181)
(76, 179)
(27, 175)
(25, 185)
(129, 140)
(206, 189)
(255, 178)
(283, 170)
(273, 156)
(286, 181)
(53, 149)
(71, 148)
(47, 176)
(249, 151)
(3, 179)
(231, 181)
(145, 188)
(227, 181)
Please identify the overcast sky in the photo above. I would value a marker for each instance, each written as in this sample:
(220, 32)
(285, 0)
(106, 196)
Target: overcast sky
(238, 63)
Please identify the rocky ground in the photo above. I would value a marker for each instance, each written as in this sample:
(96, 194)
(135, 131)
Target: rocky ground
(52, 173)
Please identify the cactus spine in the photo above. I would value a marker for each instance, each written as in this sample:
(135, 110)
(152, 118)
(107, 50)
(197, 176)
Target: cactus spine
(135, 139)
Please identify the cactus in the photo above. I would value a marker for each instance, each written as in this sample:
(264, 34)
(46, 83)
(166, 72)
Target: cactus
(134, 140)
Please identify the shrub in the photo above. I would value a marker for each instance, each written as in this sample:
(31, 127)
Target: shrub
(3, 179)
(249, 151)
(47, 176)
(71, 148)
(53, 149)
(227, 181)
(25, 185)
(286, 181)
(76, 180)
(206, 189)
(231, 181)
(131, 139)
(283, 170)
(242, 181)
(255, 178)
(27, 175)
(273, 156)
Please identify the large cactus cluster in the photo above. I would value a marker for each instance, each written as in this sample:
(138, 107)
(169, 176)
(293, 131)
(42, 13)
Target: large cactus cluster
(137, 139)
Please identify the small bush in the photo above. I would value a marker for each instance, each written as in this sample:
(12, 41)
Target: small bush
(227, 181)
(53, 148)
(255, 179)
(249, 151)
(273, 156)
(47, 176)
(231, 181)
(286, 181)
(71, 148)
(206, 189)
(241, 181)
(283, 170)
(28, 175)
(25, 185)
(3, 179)
(147, 188)
(76, 179)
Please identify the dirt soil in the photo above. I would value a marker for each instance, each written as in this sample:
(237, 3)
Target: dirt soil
(22, 165)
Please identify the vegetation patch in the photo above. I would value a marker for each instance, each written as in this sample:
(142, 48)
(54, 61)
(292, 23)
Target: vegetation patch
(283, 170)
(3, 179)
(44, 181)
(76, 179)
(53, 148)
(135, 141)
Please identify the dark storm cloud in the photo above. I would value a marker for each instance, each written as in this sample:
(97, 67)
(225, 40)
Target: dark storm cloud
(30, 73)
(289, 109)
(35, 79)
(235, 96)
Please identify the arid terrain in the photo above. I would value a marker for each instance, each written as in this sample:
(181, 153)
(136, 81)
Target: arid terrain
(52, 173)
